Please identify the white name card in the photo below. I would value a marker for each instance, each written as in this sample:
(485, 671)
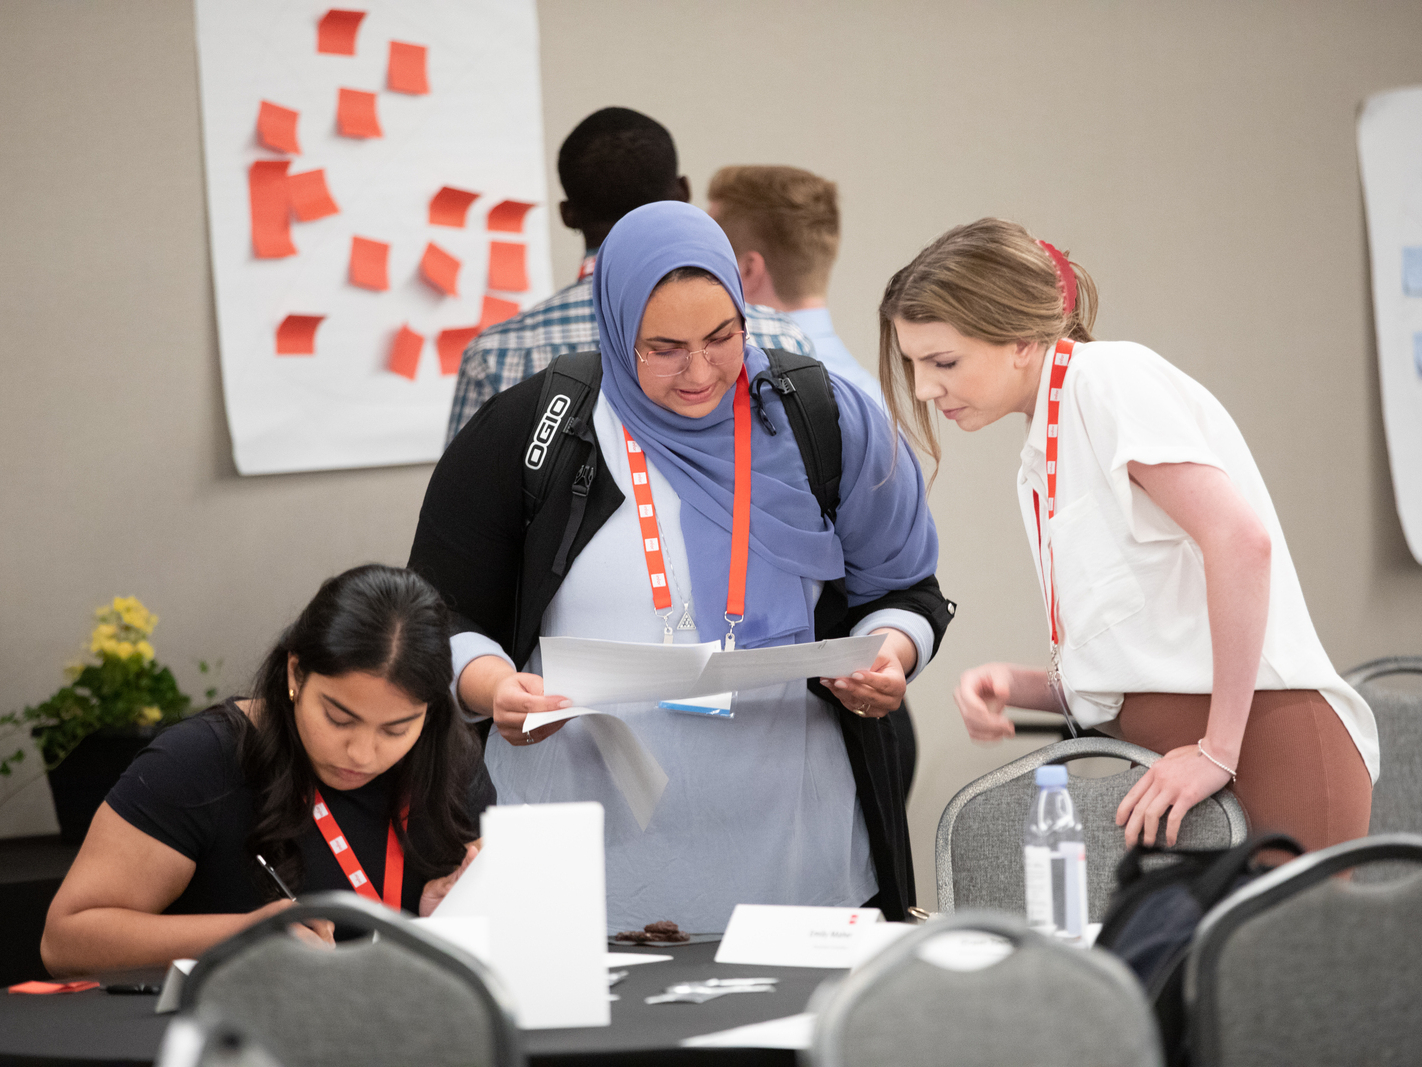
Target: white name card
(777, 935)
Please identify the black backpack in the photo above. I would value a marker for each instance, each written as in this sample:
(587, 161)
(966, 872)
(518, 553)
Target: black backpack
(570, 389)
(1161, 898)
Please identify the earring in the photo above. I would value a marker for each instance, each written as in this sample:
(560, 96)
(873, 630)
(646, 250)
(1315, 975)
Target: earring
(291, 693)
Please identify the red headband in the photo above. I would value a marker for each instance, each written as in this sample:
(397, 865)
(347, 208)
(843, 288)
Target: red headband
(1066, 278)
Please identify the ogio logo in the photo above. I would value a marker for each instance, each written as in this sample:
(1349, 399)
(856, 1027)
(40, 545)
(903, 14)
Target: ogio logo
(547, 428)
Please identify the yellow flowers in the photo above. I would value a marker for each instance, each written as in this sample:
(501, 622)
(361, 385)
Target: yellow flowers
(123, 629)
(149, 715)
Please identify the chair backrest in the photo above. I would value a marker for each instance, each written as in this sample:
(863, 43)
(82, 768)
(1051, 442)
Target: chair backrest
(1042, 1003)
(1302, 969)
(397, 998)
(193, 1041)
(1397, 797)
(979, 851)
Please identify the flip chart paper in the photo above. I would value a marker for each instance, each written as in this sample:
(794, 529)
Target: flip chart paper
(776, 935)
(336, 32)
(405, 353)
(276, 126)
(450, 206)
(506, 267)
(271, 209)
(496, 311)
(369, 266)
(451, 345)
(355, 114)
(406, 72)
(1390, 161)
(507, 216)
(310, 199)
(296, 336)
(542, 862)
(440, 269)
(479, 129)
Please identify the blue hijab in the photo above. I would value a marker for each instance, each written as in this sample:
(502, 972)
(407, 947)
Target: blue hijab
(790, 541)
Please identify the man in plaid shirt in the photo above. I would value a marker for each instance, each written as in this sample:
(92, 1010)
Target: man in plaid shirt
(615, 160)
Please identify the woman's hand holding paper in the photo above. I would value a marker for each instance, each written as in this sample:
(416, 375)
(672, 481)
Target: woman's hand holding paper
(438, 888)
(874, 693)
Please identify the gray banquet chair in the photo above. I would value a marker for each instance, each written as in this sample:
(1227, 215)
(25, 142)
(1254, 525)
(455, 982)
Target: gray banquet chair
(1303, 969)
(402, 997)
(1044, 1003)
(979, 851)
(1397, 797)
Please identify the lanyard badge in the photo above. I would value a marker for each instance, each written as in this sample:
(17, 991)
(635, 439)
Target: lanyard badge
(346, 857)
(1061, 359)
(740, 527)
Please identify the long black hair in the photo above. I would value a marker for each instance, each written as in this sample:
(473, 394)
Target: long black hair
(391, 623)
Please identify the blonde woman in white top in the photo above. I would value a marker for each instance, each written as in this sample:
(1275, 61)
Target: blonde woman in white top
(1176, 616)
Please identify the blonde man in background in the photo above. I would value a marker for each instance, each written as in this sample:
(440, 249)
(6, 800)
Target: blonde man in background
(783, 223)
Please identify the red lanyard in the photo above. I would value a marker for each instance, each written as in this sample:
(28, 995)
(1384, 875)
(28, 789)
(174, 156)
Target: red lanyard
(585, 269)
(345, 855)
(740, 520)
(1060, 360)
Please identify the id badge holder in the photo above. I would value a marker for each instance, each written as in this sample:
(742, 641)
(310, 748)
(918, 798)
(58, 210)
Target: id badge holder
(712, 707)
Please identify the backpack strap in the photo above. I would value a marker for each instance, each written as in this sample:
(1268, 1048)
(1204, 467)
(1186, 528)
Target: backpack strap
(808, 396)
(569, 393)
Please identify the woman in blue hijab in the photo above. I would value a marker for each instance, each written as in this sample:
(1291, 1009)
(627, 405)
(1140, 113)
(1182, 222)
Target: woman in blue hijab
(797, 798)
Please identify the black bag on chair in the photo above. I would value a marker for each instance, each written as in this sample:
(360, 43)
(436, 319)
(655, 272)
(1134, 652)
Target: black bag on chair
(1161, 897)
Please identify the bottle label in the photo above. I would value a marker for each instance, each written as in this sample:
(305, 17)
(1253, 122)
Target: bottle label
(1073, 855)
(1037, 865)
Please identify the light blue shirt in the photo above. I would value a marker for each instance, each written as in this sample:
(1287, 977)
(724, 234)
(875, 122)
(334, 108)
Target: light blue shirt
(830, 350)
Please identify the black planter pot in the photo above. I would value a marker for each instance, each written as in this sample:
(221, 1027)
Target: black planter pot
(82, 781)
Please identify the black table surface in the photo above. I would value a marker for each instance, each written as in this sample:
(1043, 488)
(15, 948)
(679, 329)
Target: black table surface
(96, 1027)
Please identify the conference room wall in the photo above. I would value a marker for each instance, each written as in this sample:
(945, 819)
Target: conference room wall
(1197, 159)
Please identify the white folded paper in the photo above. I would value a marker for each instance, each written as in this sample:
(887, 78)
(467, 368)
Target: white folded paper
(776, 935)
(792, 1032)
(540, 885)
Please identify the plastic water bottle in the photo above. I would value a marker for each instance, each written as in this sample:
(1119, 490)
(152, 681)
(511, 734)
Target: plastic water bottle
(1054, 859)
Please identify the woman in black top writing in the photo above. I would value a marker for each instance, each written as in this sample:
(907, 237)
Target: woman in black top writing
(347, 769)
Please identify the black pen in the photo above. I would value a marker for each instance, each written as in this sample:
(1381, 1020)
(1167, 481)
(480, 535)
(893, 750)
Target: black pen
(275, 877)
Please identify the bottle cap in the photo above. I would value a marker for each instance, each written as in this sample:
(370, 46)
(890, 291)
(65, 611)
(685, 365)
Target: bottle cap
(1053, 774)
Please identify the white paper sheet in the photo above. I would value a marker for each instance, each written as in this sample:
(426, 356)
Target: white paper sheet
(782, 935)
(634, 770)
(792, 1032)
(634, 959)
(545, 861)
(479, 128)
(591, 672)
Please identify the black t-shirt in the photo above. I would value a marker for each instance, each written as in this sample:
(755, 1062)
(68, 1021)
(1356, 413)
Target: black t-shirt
(187, 790)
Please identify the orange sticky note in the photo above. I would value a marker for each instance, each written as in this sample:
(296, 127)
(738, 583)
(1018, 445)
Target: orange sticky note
(310, 199)
(271, 209)
(450, 206)
(336, 32)
(508, 268)
(296, 336)
(405, 353)
(53, 987)
(406, 72)
(369, 263)
(451, 345)
(355, 114)
(507, 216)
(276, 126)
(496, 311)
(440, 269)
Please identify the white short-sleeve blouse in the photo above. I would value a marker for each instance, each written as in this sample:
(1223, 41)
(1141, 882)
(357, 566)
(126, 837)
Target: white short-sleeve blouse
(1132, 614)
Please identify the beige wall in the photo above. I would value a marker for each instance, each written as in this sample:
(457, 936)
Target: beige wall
(1198, 159)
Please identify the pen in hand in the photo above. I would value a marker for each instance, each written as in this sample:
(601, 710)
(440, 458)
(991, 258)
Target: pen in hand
(276, 877)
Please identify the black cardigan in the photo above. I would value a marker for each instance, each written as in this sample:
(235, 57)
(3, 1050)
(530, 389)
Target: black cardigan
(497, 576)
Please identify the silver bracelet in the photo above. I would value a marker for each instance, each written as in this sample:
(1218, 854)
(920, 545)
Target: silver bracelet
(1200, 744)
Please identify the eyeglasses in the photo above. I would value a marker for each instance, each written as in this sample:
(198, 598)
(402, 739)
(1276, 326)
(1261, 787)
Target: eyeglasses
(669, 362)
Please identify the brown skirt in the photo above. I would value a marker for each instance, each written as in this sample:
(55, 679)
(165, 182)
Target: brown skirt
(1299, 771)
